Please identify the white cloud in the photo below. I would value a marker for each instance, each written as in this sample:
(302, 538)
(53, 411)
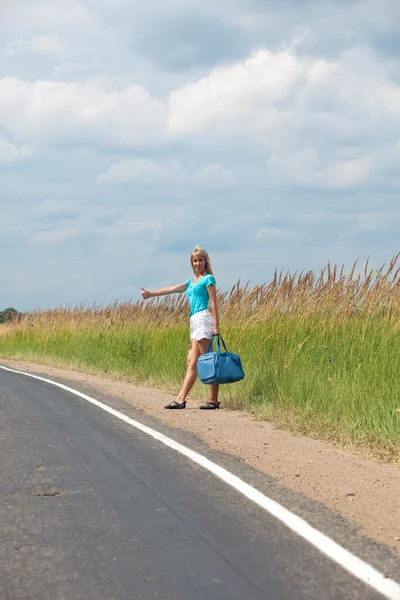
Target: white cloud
(48, 15)
(274, 233)
(303, 111)
(242, 96)
(277, 99)
(51, 45)
(54, 111)
(215, 175)
(54, 207)
(142, 171)
(373, 221)
(133, 224)
(304, 169)
(345, 174)
(9, 153)
(54, 236)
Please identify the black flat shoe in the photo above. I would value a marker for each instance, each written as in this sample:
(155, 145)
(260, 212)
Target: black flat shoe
(210, 405)
(176, 405)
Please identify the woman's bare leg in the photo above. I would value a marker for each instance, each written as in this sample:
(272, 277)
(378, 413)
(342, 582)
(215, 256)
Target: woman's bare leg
(191, 372)
(203, 348)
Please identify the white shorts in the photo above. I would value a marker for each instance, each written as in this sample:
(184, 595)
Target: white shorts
(201, 325)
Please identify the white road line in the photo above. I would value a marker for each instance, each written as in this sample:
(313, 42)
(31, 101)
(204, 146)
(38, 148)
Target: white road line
(357, 567)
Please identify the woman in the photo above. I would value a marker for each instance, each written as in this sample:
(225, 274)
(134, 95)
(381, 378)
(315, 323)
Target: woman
(201, 292)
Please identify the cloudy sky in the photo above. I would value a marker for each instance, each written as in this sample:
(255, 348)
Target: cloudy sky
(266, 131)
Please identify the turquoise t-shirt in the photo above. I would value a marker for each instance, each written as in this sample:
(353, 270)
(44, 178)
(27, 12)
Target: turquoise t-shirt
(198, 293)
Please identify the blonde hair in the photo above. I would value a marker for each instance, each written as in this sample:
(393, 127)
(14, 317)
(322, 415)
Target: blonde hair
(204, 254)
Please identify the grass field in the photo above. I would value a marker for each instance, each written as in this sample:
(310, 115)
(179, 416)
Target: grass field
(320, 351)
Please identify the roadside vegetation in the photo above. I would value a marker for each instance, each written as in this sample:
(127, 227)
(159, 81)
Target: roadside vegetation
(321, 351)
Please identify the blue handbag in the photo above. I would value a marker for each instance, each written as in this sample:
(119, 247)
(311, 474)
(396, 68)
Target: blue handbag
(219, 367)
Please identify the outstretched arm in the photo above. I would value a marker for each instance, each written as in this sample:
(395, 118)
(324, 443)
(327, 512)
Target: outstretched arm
(212, 292)
(175, 289)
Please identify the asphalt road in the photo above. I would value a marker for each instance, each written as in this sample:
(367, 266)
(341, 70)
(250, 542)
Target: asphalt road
(91, 508)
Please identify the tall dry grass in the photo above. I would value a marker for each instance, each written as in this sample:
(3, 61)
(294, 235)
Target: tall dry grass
(320, 350)
(332, 293)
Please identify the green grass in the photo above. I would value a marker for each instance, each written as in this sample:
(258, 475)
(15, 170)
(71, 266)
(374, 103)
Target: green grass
(337, 380)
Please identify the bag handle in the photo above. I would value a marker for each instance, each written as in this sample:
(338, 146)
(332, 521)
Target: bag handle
(218, 339)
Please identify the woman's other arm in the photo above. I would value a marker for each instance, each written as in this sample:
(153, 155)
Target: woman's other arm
(212, 292)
